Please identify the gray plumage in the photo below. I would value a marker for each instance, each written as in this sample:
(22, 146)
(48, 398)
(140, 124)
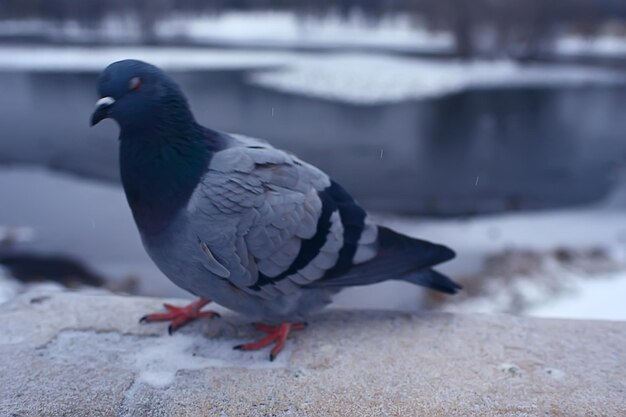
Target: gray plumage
(232, 219)
(250, 213)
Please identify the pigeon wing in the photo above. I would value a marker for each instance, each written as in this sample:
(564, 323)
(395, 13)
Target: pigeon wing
(283, 221)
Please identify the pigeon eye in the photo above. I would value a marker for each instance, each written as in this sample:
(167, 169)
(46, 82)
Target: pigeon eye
(134, 84)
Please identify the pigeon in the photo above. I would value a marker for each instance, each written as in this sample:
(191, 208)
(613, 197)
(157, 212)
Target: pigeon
(233, 220)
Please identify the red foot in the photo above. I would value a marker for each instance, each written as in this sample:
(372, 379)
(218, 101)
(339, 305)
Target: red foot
(180, 315)
(275, 334)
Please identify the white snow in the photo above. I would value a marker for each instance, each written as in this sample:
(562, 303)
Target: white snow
(541, 230)
(551, 289)
(599, 46)
(9, 287)
(599, 298)
(157, 364)
(355, 78)
(375, 79)
(112, 29)
(285, 29)
(94, 59)
(268, 29)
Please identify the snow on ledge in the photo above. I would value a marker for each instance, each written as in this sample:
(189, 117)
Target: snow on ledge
(72, 354)
(156, 362)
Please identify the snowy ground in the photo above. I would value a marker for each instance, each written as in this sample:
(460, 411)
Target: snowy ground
(565, 263)
(560, 263)
(356, 78)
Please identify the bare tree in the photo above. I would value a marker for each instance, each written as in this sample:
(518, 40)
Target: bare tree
(514, 28)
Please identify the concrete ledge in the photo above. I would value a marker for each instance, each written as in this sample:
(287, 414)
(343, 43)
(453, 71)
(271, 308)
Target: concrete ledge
(86, 355)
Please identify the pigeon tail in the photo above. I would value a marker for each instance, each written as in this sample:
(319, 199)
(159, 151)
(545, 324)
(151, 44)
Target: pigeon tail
(434, 280)
(399, 257)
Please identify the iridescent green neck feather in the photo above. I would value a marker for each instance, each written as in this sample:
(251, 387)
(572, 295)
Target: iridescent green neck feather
(162, 159)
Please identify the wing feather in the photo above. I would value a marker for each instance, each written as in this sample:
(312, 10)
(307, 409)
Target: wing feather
(269, 201)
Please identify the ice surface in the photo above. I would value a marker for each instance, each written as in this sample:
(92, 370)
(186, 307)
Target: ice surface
(374, 79)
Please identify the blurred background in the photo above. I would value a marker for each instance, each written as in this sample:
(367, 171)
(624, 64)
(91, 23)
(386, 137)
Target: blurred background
(495, 127)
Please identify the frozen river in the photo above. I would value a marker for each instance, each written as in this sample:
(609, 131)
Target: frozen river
(425, 143)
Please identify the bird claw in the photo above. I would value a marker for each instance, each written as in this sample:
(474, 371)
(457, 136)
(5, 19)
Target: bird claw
(275, 334)
(180, 316)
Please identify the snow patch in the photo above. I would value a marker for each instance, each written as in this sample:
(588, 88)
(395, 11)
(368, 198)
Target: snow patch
(568, 263)
(285, 29)
(158, 362)
(600, 298)
(111, 29)
(9, 287)
(278, 29)
(511, 369)
(601, 46)
(377, 79)
(83, 59)
(555, 373)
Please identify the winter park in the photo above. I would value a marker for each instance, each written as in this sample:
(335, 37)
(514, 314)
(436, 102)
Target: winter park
(312, 208)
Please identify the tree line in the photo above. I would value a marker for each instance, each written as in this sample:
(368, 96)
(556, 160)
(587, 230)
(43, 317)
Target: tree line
(498, 27)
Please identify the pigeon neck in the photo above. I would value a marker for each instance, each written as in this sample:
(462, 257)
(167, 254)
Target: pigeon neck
(160, 171)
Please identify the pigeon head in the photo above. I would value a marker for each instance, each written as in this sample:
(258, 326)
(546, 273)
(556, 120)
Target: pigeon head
(140, 97)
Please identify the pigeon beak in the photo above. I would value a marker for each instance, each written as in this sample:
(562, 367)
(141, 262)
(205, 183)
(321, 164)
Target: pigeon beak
(103, 110)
